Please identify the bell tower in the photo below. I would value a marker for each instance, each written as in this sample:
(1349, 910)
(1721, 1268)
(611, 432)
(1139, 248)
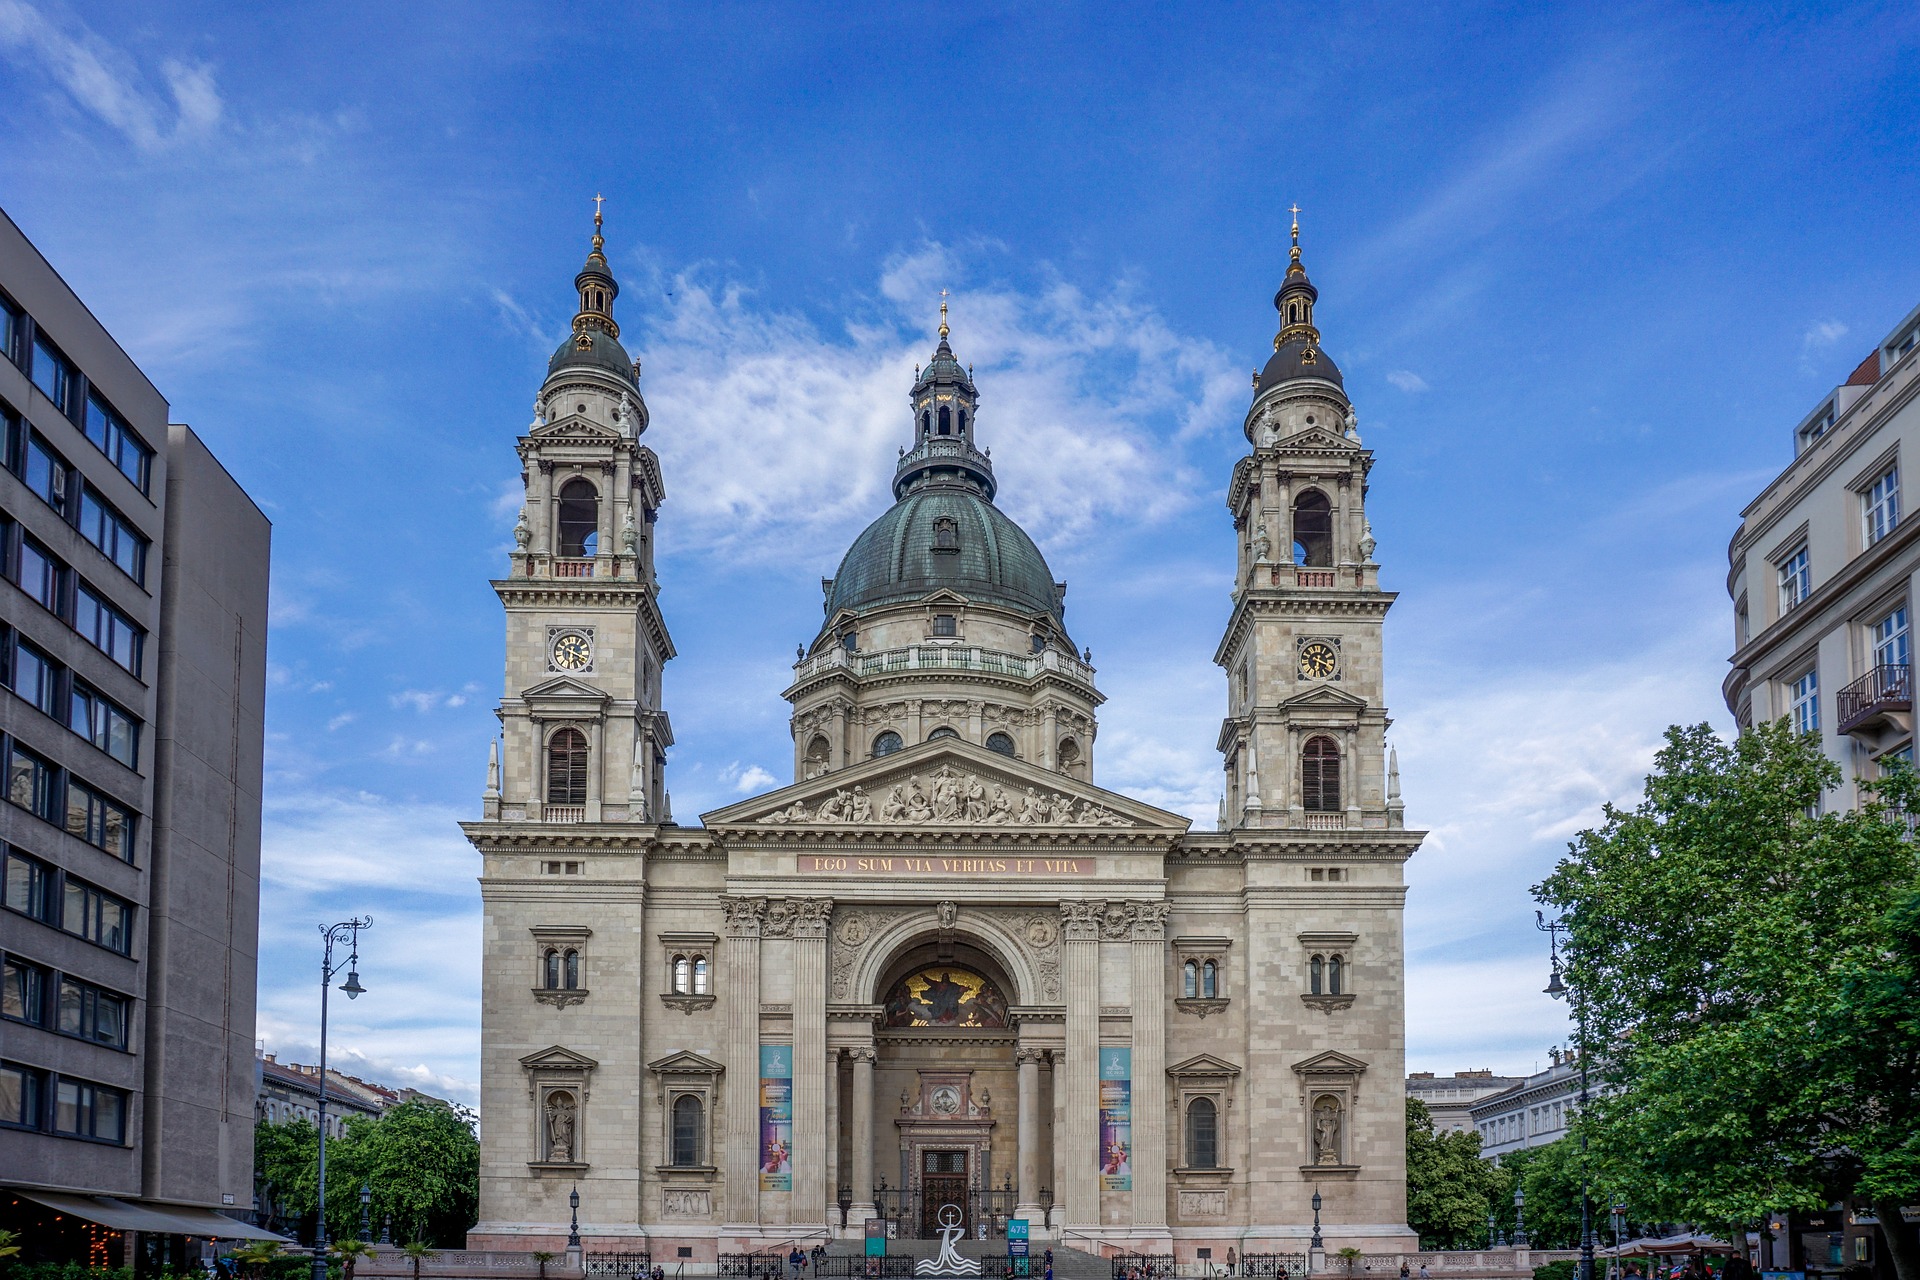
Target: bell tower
(582, 729)
(1304, 739)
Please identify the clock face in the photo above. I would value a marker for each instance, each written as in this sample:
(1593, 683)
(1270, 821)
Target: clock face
(1318, 661)
(572, 652)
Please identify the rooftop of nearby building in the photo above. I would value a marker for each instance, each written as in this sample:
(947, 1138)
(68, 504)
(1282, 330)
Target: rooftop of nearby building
(342, 1089)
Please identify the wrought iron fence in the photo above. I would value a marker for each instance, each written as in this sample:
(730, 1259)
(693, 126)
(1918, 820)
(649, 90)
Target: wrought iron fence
(1143, 1266)
(753, 1266)
(895, 1266)
(617, 1264)
(1272, 1264)
(904, 1209)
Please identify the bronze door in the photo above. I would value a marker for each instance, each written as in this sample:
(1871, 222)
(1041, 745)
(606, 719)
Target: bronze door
(943, 1183)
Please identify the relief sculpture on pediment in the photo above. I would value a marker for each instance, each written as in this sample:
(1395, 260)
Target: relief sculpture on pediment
(950, 797)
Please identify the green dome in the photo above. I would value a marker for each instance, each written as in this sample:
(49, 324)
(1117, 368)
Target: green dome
(603, 352)
(894, 560)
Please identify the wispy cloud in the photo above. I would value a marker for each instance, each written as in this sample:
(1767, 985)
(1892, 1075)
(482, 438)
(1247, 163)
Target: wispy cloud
(748, 778)
(107, 84)
(1408, 381)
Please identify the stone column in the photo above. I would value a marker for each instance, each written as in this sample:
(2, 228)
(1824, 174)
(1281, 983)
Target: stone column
(913, 722)
(741, 976)
(810, 918)
(1050, 743)
(1080, 974)
(833, 1138)
(1149, 1065)
(861, 1135)
(1028, 1204)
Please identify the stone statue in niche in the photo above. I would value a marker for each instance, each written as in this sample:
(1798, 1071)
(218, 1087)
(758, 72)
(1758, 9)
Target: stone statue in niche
(1326, 1131)
(560, 1127)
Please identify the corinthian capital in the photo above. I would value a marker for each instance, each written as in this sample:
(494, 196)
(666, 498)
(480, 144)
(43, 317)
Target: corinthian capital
(743, 915)
(1081, 919)
(1150, 919)
(811, 916)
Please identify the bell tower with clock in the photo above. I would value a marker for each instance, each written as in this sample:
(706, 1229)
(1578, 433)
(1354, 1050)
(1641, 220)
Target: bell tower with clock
(584, 739)
(1304, 739)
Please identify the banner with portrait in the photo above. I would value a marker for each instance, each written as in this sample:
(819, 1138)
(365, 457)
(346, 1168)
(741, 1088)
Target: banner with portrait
(1116, 1119)
(776, 1117)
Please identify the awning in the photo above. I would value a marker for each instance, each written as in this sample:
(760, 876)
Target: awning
(164, 1219)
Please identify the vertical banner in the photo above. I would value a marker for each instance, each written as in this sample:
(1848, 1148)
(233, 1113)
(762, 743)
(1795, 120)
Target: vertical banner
(776, 1117)
(1116, 1119)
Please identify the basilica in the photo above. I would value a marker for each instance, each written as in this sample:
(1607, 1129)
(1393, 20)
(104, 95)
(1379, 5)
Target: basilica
(944, 973)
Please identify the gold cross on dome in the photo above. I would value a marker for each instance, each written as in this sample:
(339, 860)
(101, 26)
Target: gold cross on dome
(598, 199)
(1295, 211)
(943, 313)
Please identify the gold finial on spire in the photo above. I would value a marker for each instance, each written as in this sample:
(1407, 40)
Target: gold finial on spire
(1295, 211)
(1293, 258)
(599, 242)
(943, 316)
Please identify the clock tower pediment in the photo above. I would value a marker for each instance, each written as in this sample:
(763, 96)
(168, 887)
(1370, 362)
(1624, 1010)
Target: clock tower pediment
(1324, 697)
(564, 693)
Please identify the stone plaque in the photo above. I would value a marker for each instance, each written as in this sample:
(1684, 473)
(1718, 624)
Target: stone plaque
(920, 867)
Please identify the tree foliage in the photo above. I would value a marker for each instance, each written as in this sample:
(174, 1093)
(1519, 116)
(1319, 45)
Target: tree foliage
(1449, 1187)
(1749, 971)
(1548, 1178)
(421, 1160)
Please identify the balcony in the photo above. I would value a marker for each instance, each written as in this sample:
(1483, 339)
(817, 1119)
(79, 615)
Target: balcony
(938, 657)
(572, 568)
(1876, 698)
(564, 813)
(1326, 821)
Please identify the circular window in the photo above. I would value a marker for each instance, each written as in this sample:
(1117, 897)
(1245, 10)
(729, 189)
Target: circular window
(887, 743)
(1000, 742)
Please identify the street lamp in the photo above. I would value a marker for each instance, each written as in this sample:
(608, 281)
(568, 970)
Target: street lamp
(1317, 1242)
(1560, 990)
(846, 1204)
(1046, 1208)
(573, 1231)
(349, 932)
(1519, 1217)
(366, 1206)
(1490, 1241)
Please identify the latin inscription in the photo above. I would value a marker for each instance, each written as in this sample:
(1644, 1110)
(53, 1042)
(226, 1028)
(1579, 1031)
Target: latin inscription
(916, 866)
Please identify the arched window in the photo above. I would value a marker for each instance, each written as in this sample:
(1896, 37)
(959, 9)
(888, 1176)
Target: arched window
(1203, 1134)
(1336, 975)
(1002, 743)
(573, 971)
(1293, 313)
(567, 768)
(1210, 980)
(682, 975)
(946, 421)
(943, 731)
(687, 1119)
(700, 975)
(926, 423)
(1320, 775)
(1316, 975)
(963, 422)
(1190, 980)
(551, 978)
(579, 518)
(1312, 529)
(818, 752)
(886, 744)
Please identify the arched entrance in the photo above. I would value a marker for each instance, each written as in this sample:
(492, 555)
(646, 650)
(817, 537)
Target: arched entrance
(944, 1049)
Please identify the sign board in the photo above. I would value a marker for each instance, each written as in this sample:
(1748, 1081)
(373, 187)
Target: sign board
(876, 1238)
(1017, 1230)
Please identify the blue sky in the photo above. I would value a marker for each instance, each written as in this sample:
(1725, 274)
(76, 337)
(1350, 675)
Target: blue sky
(1584, 268)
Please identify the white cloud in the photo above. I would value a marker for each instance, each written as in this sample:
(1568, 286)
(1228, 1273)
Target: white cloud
(104, 82)
(1821, 335)
(1408, 381)
(777, 432)
(748, 778)
(317, 841)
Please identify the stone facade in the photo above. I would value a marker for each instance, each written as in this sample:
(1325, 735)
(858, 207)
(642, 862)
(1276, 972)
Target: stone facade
(943, 966)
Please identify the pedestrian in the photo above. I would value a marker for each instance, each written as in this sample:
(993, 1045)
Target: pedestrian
(796, 1262)
(1424, 1273)
(1049, 1273)
(1404, 1272)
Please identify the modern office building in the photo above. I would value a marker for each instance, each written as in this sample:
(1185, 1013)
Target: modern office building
(1822, 573)
(1530, 1112)
(133, 658)
(1450, 1098)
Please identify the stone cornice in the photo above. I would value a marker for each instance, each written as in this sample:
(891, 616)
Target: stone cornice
(950, 676)
(589, 593)
(759, 838)
(1293, 602)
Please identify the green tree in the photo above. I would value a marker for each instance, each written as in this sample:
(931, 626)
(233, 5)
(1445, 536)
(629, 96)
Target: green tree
(1548, 1177)
(1449, 1187)
(1749, 970)
(350, 1250)
(418, 1251)
(421, 1160)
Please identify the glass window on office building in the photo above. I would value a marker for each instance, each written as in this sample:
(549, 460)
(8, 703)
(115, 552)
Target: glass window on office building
(1806, 702)
(1890, 639)
(1882, 503)
(1796, 579)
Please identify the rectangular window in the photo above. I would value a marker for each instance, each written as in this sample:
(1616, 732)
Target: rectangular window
(108, 530)
(23, 991)
(9, 331)
(41, 574)
(1882, 501)
(97, 916)
(22, 1093)
(30, 888)
(34, 677)
(107, 629)
(1890, 639)
(944, 625)
(102, 823)
(111, 434)
(1806, 702)
(92, 1013)
(45, 472)
(105, 724)
(1796, 579)
(85, 1110)
(52, 374)
(31, 782)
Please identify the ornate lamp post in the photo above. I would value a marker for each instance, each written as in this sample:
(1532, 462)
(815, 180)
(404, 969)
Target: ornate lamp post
(573, 1230)
(1490, 1239)
(846, 1204)
(1046, 1209)
(1561, 991)
(366, 1206)
(349, 932)
(1317, 1245)
(1519, 1217)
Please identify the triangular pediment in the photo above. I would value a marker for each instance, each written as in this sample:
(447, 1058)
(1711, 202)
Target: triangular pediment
(1325, 696)
(685, 1063)
(948, 783)
(1203, 1064)
(1316, 438)
(574, 428)
(1330, 1063)
(564, 688)
(558, 1058)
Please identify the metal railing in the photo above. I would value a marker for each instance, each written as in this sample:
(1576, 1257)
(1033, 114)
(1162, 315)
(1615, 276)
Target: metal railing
(1143, 1266)
(894, 1266)
(1264, 1265)
(945, 657)
(1887, 687)
(617, 1264)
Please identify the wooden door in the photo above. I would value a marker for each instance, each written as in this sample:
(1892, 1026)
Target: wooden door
(943, 1182)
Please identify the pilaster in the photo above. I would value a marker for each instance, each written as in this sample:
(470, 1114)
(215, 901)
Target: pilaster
(1149, 1065)
(1080, 975)
(810, 917)
(742, 995)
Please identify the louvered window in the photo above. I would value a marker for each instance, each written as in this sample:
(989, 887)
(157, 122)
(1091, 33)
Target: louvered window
(567, 768)
(1320, 776)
